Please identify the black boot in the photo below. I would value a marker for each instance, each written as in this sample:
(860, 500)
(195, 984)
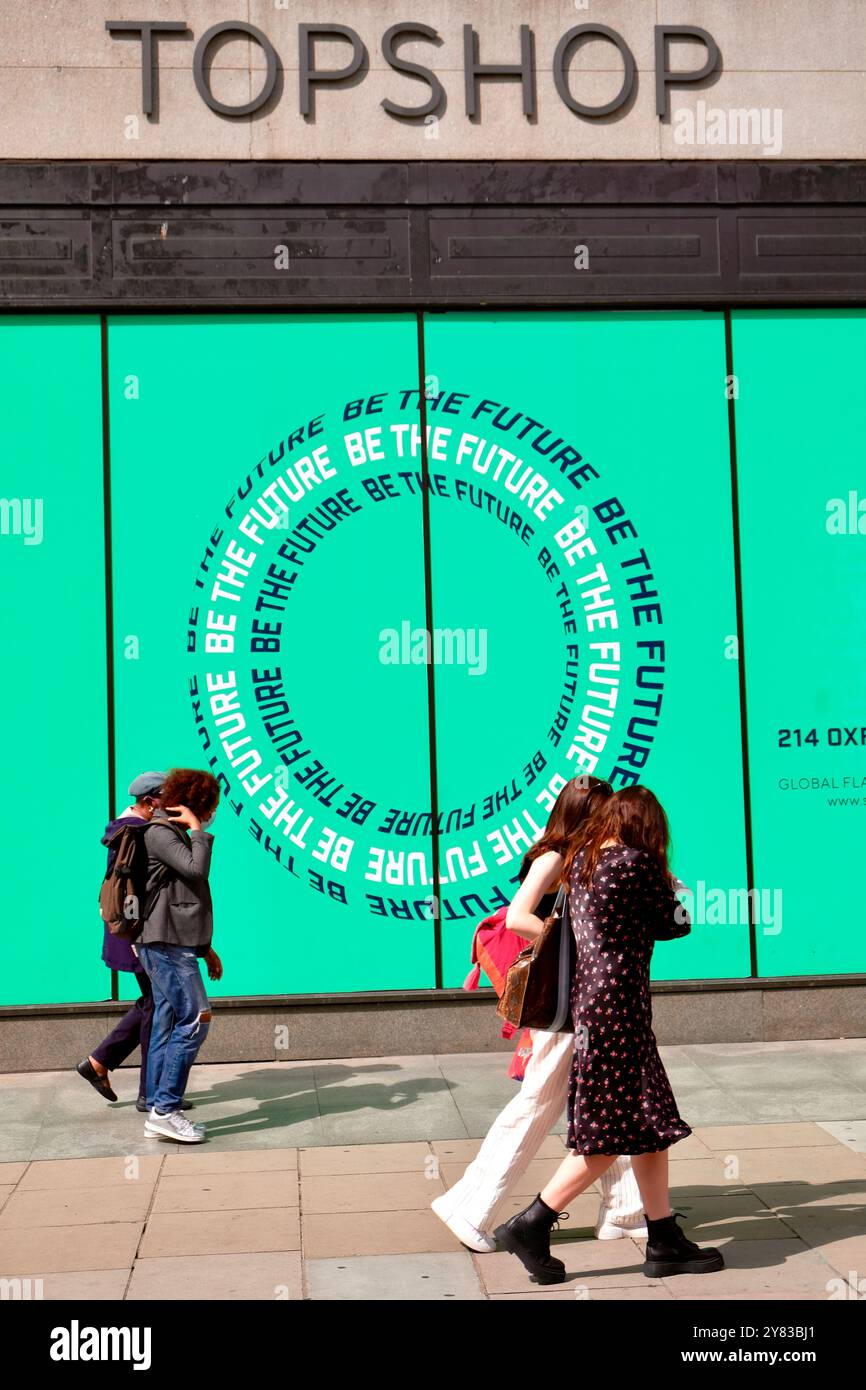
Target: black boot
(669, 1251)
(527, 1235)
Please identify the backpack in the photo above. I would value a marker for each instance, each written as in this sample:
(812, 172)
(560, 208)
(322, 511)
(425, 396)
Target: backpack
(124, 902)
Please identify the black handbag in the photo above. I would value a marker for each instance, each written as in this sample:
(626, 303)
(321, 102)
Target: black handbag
(537, 991)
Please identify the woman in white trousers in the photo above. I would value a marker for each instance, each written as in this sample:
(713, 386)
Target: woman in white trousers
(468, 1208)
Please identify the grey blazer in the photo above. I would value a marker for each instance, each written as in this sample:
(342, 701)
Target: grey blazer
(182, 912)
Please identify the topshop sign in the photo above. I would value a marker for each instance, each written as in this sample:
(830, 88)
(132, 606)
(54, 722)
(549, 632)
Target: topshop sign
(313, 40)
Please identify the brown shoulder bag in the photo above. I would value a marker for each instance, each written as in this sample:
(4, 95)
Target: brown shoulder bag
(537, 991)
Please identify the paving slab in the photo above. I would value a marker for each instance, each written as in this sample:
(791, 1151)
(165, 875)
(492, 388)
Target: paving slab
(226, 1191)
(374, 1102)
(702, 1175)
(740, 1216)
(583, 1294)
(746, 1065)
(366, 1233)
(105, 1138)
(582, 1214)
(802, 1296)
(733, 1138)
(221, 1232)
(846, 1254)
(269, 1276)
(91, 1173)
(77, 1207)
(825, 1104)
(759, 1268)
(690, 1147)
(12, 1172)
(847, 1064)
(851, 1133)
(370, 1125)
(825, 1226)
(465, 1150)
(334, 1160)
(700, 1104)
(786, 1197)
(86, 1286)
(203, 1158)
(224, 1135)
(824, 1163)
(24, 1105)
(536, 1176)
(368, 1192)
(402, 1278)
(58, 1249)
(598, 1264)
(17, 1139)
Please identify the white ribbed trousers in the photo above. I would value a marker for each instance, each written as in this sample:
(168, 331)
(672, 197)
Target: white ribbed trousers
(518, 1132)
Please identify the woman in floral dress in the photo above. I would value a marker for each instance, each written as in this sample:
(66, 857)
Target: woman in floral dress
(621, 901)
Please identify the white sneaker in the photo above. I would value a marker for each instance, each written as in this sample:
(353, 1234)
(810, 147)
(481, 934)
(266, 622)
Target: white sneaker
(611, 1226)
(465, 1232)
(175, 1126)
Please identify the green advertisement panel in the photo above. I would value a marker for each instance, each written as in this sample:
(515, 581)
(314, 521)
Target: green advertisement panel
(801, 422)
(582, 551)
(53, 692)
(262, 581)
(297, 610)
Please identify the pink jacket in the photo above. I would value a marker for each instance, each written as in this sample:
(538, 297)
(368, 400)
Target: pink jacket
(494, 948)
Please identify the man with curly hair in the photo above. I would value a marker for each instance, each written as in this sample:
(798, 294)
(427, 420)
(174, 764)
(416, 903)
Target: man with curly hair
(178, 932)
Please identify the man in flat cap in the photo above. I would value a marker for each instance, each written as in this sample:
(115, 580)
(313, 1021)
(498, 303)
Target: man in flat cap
(133, 1029)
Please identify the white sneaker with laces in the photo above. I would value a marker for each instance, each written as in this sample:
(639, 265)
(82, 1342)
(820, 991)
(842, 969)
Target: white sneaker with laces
(611, 1226)
(465, 1232)
(175, 1126)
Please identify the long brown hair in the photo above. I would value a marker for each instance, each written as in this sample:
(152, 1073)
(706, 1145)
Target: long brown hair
(635, 817)
(575, 805)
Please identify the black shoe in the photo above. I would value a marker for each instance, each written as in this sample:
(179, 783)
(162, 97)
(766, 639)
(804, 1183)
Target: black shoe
(527, 1235)
(99, 1083)
(141, 1105)
(669, 1251)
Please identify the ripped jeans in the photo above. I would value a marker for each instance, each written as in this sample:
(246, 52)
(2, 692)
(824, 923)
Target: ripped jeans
(178, 1029)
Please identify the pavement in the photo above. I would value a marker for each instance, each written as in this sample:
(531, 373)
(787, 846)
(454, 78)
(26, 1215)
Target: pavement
(316, 1181)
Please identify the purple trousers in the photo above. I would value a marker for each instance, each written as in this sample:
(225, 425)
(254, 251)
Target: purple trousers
(132, 1031)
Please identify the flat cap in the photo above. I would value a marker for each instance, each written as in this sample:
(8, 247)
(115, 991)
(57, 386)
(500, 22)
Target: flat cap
(146, 784)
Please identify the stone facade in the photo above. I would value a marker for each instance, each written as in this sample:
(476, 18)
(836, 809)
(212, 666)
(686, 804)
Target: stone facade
(790, 83)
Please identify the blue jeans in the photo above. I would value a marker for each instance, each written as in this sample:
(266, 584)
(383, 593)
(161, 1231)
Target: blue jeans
(178, 1030)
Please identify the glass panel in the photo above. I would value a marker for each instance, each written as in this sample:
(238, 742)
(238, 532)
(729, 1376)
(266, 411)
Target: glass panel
(540, 416)
(244, 498)
(801, 420)
(53, 695)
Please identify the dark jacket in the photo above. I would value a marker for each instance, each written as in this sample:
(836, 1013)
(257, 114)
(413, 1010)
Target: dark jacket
(182, 912)
(116, 950)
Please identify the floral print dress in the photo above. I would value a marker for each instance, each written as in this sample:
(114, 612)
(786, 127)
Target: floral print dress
(620, 1100)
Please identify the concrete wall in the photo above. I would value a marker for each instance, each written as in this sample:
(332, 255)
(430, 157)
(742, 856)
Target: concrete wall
(69, 90)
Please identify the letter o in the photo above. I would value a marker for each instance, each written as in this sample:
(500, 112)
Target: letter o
(561, 82)
(201, 48)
